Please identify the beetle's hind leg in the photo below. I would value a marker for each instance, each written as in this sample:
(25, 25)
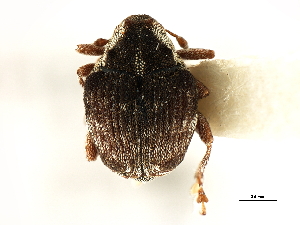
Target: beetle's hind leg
(203, 129)
(90, 147)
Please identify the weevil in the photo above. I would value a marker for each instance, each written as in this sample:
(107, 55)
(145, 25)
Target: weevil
(141, 102)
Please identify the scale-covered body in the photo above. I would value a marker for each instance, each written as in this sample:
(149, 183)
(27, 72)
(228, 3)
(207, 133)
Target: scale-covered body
(141, 101)
(141, 111)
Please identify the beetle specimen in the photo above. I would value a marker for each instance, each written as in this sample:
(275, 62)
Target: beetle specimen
(141, 101)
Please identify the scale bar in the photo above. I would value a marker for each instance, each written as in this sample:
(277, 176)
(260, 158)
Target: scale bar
(265, 200)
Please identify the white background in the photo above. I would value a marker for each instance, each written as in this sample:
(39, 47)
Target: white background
(45, 178)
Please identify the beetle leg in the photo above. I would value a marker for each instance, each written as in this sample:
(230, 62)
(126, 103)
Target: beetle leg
(100, 42)
(83, 72)
(203, 129)
(97, 48)
(90, 49)
(195, 53)
(202, 89)
(91, 150)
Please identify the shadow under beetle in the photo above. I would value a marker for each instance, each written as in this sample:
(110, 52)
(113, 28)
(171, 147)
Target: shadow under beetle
(141, 102)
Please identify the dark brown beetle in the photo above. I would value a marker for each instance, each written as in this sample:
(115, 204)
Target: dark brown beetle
(141, 101)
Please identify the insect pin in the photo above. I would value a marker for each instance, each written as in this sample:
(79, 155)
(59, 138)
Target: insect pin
(141, 102)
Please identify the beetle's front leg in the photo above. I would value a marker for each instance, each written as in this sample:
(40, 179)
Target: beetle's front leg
(97, 49)
(203, 129)
(195, 53)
